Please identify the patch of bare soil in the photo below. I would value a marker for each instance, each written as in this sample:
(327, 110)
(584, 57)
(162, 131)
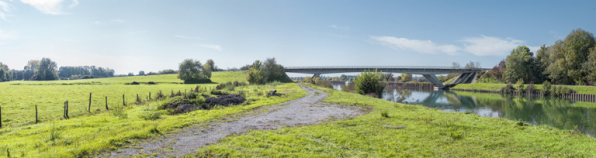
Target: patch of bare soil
(302, 111)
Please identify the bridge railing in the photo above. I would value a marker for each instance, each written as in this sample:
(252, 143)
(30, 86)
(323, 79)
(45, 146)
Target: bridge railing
(381, 67)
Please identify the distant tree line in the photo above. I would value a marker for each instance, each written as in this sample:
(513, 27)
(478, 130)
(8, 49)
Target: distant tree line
(46, 69)
(571, 61)
(77, 72)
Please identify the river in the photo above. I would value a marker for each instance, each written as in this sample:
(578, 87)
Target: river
(554, 112)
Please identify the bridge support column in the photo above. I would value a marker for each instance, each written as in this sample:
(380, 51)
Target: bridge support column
(316, 75)
(434, 80)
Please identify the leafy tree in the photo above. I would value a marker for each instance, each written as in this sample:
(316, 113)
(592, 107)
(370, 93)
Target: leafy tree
(191, 72)
(521, 65)
(4, 72)
(520, 85)
(141, 73)
(406, 77)
(211, 64)
(206, 69)
(387, 77)
(569, 60)
(343, 77)
(268, 71)
(591, 66)
(131, 74)
(46, 70)
(368, 82)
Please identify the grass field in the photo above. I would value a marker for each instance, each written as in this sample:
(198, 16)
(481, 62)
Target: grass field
(497, 87)
(427, 133)
(19, 98)
(86, 134)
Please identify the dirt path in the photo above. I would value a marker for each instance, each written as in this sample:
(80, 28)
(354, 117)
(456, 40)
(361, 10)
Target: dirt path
(306, 110)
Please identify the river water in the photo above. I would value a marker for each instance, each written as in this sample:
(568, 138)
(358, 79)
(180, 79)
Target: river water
(554, 112)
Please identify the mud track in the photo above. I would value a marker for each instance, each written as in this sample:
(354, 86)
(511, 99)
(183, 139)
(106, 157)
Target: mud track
(302, 111)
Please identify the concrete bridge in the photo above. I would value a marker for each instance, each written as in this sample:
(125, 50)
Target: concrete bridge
(467, 75)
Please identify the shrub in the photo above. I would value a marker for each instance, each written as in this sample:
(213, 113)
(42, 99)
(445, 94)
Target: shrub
(119, 111)
(191, 71)
(368, 82)
(520, 85)
(150, 115)
(508, 89)
(530, 88)
(546, 87)
(267, 71)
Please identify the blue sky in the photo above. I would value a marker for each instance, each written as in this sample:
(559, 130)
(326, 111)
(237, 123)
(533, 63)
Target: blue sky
(150, 35)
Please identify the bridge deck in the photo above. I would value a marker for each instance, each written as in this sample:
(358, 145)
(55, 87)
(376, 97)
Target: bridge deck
(394, 69)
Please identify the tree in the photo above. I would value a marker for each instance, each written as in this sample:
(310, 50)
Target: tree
(4, 72)
(131, 74)
(521, 64)
(368, 83)
(255, 75)
(211, 64)
(568, 61)
(206, 70)
(343, 77)
(191, 72)
(141, 73)
(268, 71)
(46, 70)
(406, 77)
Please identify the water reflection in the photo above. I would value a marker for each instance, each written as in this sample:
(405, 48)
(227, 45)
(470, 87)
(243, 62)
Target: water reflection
(554, 112)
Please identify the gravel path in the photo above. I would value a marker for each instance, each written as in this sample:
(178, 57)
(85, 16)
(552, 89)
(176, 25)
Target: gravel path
(302, 111)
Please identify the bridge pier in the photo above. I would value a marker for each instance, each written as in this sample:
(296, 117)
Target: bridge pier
(316, 75)
(434, 80)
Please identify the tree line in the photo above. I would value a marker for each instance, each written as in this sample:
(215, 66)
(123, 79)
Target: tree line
(46, 69)
(571, 61)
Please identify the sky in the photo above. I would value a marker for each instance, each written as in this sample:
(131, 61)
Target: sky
(151, 35)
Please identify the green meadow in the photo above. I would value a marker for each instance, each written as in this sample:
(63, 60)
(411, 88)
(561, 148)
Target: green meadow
(426, 132)
(86, 134)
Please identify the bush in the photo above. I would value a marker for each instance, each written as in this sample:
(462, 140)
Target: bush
(119, 111)
(225, 100)
(520, 85)
(151, 115)
(385, 114)
(267, 71)
(546, 87)
(191, 71)
(368, 82)
(531, 88)
(508, 89)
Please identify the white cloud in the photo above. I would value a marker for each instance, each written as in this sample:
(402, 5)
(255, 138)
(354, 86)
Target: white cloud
(211, 46)
(188, 37)
(427, 47)
(479, 46)
(490, 46)
(53, 7)
(345, 28)
(5, 9)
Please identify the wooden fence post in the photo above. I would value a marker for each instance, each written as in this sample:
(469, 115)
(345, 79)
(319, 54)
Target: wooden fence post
(67, 117)
(123, 103)
(36, 120)
(138, 101)
(0, 117)
(149, 95)
(107, 103)
(89, 102)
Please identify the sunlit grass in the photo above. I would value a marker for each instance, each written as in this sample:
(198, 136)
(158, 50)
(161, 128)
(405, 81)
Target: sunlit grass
(427, 133)
(86, 134)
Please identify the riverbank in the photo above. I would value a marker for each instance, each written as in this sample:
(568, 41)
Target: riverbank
(582, 93)
(421, 132)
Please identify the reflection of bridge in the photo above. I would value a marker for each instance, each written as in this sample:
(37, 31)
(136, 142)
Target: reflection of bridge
(467, 75)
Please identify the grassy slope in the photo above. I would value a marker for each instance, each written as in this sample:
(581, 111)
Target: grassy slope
(19, 98)
(497, 87)
(92, 133)
(428, 133)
